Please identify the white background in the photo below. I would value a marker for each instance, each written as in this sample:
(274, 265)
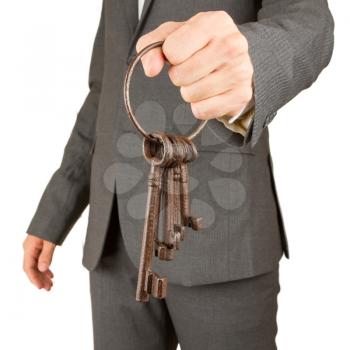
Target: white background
(45, 54)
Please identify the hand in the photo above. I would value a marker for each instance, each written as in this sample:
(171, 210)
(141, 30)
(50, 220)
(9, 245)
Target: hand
(37, 259)
(209, 62)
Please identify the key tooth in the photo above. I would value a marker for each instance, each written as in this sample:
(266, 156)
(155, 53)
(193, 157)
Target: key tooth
(196, 223)
(156, 286)
(162, 252)
(179, 231)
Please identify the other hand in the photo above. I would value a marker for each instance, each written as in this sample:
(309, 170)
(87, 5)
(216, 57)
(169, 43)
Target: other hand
(37, 259)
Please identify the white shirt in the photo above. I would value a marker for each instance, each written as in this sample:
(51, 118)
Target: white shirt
(141, 3)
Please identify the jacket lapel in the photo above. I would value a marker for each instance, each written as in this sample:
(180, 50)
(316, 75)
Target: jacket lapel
(139, 26)
(131, 13)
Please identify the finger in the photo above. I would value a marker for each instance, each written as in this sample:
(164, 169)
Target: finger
(36, 277)
(196, 67)
(154, 60)
(49, 273)
(195, 34)
(216, 83)
(218, 52)
(48, 283)
(39, 279)
(230, 102)
(45, 257)
(30, 268)
(46, 277)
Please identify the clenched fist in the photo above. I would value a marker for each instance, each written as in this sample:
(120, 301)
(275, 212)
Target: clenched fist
(209, 62)
(38, 255)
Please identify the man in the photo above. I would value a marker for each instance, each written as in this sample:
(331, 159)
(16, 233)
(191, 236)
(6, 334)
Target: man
(235, 63)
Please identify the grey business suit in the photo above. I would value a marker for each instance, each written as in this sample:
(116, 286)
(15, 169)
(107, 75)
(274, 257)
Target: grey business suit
(289, 45)
(232, 185)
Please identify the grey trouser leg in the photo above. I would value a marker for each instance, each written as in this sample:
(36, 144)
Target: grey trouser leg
(119, 321)
(237, 315)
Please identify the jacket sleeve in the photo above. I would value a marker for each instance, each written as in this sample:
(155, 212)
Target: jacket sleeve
(67, 193)
(289, 45)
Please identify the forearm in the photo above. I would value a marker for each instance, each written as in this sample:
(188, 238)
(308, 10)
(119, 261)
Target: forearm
(289, 45)
(67, 193)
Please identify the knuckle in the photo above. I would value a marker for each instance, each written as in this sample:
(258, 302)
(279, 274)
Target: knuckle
(243, 72)
(168, 51)
(223, 18)
(201, 14)
(229, 46)
(171, 48)
(230, 71)
(243, 42)
(247, 67)
(246, 94)
(247, 74)
(198, 16)
(234, 44)
(200, 112)
(222, 15)
(186, 94)
(142, 42)
(174, 76)
(196, 111)
(167, 25)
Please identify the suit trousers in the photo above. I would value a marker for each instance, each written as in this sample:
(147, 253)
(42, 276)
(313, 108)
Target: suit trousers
(235, 315)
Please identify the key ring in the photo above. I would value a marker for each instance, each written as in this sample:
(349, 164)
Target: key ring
(127, 102)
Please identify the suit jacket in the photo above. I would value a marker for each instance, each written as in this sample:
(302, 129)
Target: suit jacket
(232, 184)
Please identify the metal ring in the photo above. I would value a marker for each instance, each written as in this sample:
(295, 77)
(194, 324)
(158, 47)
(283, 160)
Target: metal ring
(127, 102)
(151, 152)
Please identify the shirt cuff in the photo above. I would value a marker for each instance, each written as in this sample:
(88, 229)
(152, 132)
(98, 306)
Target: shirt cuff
(240, 125)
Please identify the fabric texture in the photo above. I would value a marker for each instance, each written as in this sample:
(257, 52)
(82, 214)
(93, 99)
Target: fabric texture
(226, 316)
(232, 182)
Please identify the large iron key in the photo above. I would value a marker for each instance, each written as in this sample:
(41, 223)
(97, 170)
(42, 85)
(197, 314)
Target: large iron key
(157, 152)
(148, 281)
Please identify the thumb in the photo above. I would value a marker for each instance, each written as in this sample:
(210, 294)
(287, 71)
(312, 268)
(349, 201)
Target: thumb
(45, 257)
(154, 60)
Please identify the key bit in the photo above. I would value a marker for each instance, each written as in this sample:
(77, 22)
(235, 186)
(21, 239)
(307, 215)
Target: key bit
(195, 223)
(156, 286)
(163, 252)
(179, 231)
